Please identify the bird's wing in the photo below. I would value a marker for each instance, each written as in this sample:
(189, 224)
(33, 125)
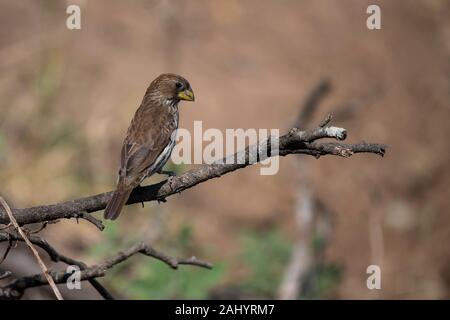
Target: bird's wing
(137, 157)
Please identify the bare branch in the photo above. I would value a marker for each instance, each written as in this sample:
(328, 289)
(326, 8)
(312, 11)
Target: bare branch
(294, 142)
(41, 263)
(55, 256)
(311, 215)
(16, 288)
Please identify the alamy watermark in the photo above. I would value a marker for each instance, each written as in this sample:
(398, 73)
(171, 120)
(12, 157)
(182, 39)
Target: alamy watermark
(374, 280)
(373, 22)
(73, 21)
(73, 282)
(234, 146)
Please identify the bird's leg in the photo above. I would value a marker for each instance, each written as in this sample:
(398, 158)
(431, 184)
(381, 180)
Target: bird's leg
(170, 175)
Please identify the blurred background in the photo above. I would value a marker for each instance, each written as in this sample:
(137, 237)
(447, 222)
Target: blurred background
(310, 231)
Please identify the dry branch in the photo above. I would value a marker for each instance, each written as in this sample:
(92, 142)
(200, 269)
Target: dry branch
(16, 288)
(55, 256)
(41, 263)
(294, 142)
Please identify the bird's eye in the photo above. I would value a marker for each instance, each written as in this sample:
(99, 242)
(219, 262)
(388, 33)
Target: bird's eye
(179, 85)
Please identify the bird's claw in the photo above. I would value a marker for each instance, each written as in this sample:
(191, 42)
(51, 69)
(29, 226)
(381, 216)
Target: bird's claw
(170, 182)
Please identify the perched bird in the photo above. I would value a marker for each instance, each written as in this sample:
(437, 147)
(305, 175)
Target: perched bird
(150, 138)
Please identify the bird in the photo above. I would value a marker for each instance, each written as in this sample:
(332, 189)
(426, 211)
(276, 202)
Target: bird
(150, 137)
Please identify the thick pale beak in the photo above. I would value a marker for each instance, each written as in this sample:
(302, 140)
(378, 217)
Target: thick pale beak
(187, 95)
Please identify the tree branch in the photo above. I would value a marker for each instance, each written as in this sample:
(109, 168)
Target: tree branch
(16, 288)
(41, 263)
(294, 142)
(55, 256)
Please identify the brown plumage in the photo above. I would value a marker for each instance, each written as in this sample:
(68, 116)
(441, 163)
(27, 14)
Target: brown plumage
(150, 138)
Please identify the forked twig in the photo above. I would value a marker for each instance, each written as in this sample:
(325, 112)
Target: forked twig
(36, 254)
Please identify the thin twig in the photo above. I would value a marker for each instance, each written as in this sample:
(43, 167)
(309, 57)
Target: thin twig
(8, 249)
(15, 289)
(36, 254)
(55, 256)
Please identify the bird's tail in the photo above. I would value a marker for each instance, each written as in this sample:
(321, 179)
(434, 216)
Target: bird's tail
(117, 202)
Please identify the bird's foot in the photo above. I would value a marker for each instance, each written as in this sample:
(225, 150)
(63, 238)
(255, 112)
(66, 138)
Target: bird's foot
(170, 182)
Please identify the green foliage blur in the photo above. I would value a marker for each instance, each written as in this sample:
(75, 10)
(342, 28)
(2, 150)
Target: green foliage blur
(264, 256)
(145, 278)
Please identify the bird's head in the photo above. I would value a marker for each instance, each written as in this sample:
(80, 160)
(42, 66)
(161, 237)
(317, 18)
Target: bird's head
(171, 88)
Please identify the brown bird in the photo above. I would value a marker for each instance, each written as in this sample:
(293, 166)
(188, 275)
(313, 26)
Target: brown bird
(150, 138)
